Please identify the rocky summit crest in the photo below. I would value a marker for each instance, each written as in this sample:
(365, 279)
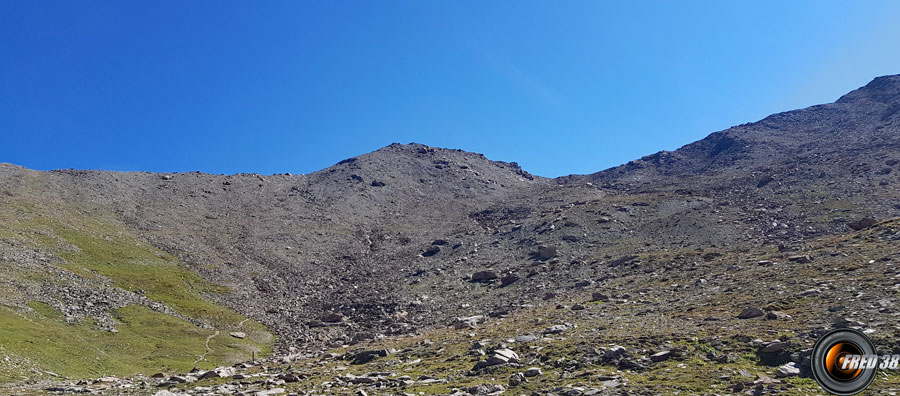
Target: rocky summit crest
(884, 89)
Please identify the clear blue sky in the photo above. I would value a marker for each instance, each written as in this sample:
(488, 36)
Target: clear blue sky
(295, 86)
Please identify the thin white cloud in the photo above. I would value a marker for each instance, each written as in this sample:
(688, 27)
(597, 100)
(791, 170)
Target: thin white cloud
(524, 81)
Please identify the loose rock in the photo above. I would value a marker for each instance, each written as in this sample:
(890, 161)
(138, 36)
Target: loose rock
(533, 372)
(788, 370)
(484, 276)
(751, 312)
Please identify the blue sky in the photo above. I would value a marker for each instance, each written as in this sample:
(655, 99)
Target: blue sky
(295, 86)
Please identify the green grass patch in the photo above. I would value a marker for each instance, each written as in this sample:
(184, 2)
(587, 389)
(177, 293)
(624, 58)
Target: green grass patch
(134, 266)
(147, 341)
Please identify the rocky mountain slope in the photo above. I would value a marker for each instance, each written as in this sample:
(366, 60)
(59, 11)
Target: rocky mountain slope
(838, 158)
(128, 273)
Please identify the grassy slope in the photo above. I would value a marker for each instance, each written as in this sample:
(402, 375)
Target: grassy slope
(147, 341)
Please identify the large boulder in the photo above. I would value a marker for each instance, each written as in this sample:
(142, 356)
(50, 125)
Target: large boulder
(751, 312)
(332, 317)
(368, 356)
(484, 276)
(556, 329)
(505, 355)
(498, 357)
(431, 251)
(862, 224)
(508, 280)
(788, 370)
(544, 253)
(774, 353)
(220, 372)
(533, 372)
(168, 393)
(660, 356)
(467, 322)
(802, 259)
(517, 379)
(614, 352)
(597, 296)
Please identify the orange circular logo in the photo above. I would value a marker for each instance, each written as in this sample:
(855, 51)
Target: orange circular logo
(835, 358)
(844, 361)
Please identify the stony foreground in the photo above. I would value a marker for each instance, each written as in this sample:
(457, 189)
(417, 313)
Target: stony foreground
(735, 330)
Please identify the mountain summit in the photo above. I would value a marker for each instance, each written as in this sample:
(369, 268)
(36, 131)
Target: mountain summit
(884, 89)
